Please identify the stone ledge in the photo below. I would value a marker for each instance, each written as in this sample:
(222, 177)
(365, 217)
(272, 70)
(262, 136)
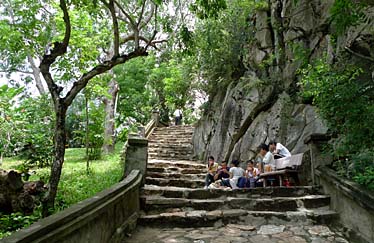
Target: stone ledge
(134, 140)
(349, 188)
(64, 223)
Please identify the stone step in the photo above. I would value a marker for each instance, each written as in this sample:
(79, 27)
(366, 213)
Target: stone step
(278, 204)
(180, 128)
(155, 156)
(171, 146)
(171, 150)
(171, 137)
(170, 140)
(166, 170)
(200, 193)
(182, 164)
(169, 155)
(177, 175)
(163, 152)
(174, 182)
(198, 218)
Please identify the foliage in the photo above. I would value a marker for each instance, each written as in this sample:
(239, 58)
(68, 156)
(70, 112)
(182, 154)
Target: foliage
(208, 9)
(151, 83)
(35, 120)
(219, 45)
(346, 102)
(26, 127)
(75, 185)
(8, 126)
(16, 221)
(346, 13)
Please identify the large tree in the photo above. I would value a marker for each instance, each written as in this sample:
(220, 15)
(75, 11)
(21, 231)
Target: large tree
(87, 38)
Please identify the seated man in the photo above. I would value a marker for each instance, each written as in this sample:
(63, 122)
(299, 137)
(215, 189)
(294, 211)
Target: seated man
(222, 172)
(278, 150)
(212, 170)
(268, 162)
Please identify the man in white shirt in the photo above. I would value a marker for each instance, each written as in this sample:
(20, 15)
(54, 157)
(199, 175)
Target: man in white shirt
(178, 116)
(278, 150)
(268, 158)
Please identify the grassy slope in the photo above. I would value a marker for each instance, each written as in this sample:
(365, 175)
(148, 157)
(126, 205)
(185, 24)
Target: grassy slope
(75, 185)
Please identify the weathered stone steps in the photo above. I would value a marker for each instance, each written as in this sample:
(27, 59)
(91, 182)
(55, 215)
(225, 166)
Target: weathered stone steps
(278, 204)
(169, 154)
(175, 175)
(176, 164)
(174, 182)
(166, 151)
(209, 218)
(173, 170)
(200, 193)
(171, 146)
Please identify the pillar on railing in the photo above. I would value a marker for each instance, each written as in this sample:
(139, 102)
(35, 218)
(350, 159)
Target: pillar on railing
(135, 155)
(317, 143)
(156, 117)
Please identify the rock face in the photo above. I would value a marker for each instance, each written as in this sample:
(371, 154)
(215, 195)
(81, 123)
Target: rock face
(263, 105)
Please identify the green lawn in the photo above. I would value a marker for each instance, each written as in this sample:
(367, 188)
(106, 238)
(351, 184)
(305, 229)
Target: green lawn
(75, 185)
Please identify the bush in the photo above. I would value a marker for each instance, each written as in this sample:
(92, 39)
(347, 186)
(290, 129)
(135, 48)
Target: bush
(346, 102)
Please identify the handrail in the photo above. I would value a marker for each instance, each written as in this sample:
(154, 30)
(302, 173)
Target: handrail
(154, 122)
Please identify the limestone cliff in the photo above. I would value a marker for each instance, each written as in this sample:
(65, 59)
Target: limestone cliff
(262, 105)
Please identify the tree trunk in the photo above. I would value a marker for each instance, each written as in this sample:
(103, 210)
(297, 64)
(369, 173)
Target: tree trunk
(110, 105)
(36, 74)
(59, 154)
(87, 139)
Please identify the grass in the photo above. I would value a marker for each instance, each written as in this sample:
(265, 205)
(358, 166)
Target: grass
(75, 184)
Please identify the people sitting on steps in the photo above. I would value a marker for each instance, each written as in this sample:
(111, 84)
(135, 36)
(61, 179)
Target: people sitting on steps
(278, 150)
(212, 168)
(222, 172)
(268, 163)
(235, 173)
(251, 175)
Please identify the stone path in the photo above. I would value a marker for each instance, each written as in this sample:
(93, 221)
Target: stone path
(176, 208)
(237, 233)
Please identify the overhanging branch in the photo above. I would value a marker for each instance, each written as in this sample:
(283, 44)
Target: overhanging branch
(99, 69)
(59, 49)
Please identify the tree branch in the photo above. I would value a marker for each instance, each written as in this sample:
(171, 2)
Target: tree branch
(149, 17)
(99, 69)
(141, 13)
(115, 28)
(14, 69)
(358, 54)
(131, 21)
(59, 49)
(36, 74)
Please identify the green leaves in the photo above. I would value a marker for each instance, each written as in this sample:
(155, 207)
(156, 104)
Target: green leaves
(208, 8)
(346, 102)
(346, 13)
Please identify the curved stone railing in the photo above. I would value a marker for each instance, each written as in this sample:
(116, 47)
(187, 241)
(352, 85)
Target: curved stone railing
(106, 217)
(154, 122)
(354, 204)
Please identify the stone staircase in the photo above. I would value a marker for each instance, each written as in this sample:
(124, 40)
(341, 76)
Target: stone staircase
(174, 197)
(171, 143)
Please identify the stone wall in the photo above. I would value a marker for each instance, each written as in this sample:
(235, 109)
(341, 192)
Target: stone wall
(354, 205)
(263, 104)
(106, 217)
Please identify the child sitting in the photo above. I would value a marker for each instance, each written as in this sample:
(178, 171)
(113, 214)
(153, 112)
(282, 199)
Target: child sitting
(251, 175)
